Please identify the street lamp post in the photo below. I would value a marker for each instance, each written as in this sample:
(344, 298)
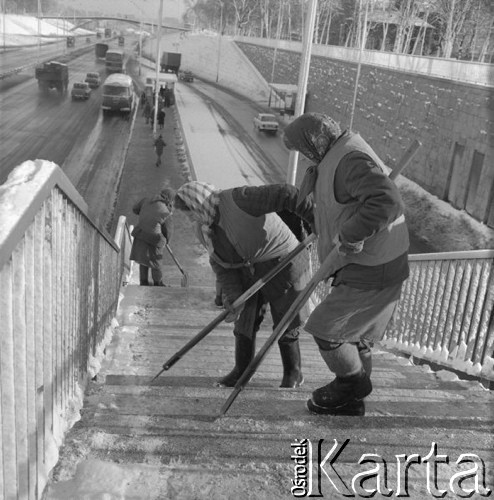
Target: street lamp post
(302, 82)
(220, 33)
(158, 55)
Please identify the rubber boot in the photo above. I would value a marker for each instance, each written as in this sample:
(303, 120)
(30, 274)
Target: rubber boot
(143, 275)
(292, 364)
(244, 353)
(342, 396)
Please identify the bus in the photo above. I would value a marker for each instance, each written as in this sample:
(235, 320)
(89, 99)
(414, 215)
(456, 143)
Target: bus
(114, 61)
(118, 93)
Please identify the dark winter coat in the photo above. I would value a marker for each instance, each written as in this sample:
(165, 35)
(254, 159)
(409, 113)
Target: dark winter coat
(153, 230)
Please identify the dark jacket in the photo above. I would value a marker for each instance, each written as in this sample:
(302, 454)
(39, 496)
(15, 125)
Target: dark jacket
(257, 201)
(153, 230)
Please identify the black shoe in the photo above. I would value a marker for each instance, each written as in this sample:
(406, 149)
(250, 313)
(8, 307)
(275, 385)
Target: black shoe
(343, 390)
(352, 409)
(218, 302)
(160, 283)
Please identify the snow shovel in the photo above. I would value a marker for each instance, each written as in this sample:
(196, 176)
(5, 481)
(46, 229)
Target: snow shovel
(243, 298)
(327, 268)
(185, 279)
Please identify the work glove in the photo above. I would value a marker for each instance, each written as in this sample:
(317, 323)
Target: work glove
(347, 249)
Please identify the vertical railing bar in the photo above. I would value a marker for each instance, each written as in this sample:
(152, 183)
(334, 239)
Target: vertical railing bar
(490, 328)
(418, 303)
(441, 307)
(476, 324)
(73, 299)
(48, 327)
(7, 382)
(463, 314)
(450, 305)
(39, 284)
(409, 285)
(488, 288)
(31, 299)
(413, 288)
(20, 377)
(59, 313)
(424, 333)
(67, 330)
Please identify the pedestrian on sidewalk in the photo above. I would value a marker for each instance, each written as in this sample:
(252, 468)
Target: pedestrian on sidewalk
(359, 211)
(146, 112)
(159, 145)
(153, 230)
(161, 118)
(245, 239)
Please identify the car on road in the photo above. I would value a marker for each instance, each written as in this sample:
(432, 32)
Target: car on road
(187, 76)
(266, 122)
(93, 80)
(80, 90)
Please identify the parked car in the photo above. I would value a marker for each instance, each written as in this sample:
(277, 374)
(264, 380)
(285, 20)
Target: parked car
(80, 90)
(93, 79)
(266, 122)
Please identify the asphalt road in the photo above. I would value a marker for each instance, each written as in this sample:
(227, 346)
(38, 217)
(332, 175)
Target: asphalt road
(73, 134)
(91, 149)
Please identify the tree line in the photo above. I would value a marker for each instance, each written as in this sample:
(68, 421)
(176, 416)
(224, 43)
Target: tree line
(462, 29)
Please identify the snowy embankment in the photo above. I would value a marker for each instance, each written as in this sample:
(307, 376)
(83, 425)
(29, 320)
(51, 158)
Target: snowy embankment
(24, 31)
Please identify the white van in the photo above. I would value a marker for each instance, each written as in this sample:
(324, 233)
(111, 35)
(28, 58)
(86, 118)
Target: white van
(118, 93)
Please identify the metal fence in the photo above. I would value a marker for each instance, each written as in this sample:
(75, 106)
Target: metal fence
(60, 278)
(446, 311)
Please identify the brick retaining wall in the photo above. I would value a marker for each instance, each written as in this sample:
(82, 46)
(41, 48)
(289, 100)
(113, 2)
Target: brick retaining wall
(454, 121)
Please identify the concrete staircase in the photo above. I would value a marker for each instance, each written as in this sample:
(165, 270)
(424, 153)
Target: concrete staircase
(138, 440)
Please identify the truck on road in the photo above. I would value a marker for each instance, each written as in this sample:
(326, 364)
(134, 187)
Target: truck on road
(52, 75)
(114, 61)
(100, 50)
(170, 62)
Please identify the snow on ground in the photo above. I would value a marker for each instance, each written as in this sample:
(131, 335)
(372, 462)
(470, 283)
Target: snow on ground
(436, 222)
(18, 31)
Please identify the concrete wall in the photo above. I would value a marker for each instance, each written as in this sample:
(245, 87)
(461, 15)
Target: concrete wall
(453, 120)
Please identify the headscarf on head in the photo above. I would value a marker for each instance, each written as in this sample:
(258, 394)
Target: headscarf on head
(313, 135)
(201, 198)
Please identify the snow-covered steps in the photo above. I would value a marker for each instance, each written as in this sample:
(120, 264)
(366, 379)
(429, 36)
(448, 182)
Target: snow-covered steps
(168, 436)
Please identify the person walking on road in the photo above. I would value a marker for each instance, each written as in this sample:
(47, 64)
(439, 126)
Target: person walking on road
(359, 212)
(161, 117)
(154, 229)
(245, 239)
(146, 112)
(159, 145)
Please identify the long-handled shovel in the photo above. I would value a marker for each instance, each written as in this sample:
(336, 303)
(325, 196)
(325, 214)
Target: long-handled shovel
(332, 262)
(184, 283)
(243, 298)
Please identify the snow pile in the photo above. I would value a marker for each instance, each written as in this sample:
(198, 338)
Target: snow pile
(27, 30)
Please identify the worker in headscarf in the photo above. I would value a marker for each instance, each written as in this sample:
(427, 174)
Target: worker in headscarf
(245, 239)
(359, 211)
(152, 231)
